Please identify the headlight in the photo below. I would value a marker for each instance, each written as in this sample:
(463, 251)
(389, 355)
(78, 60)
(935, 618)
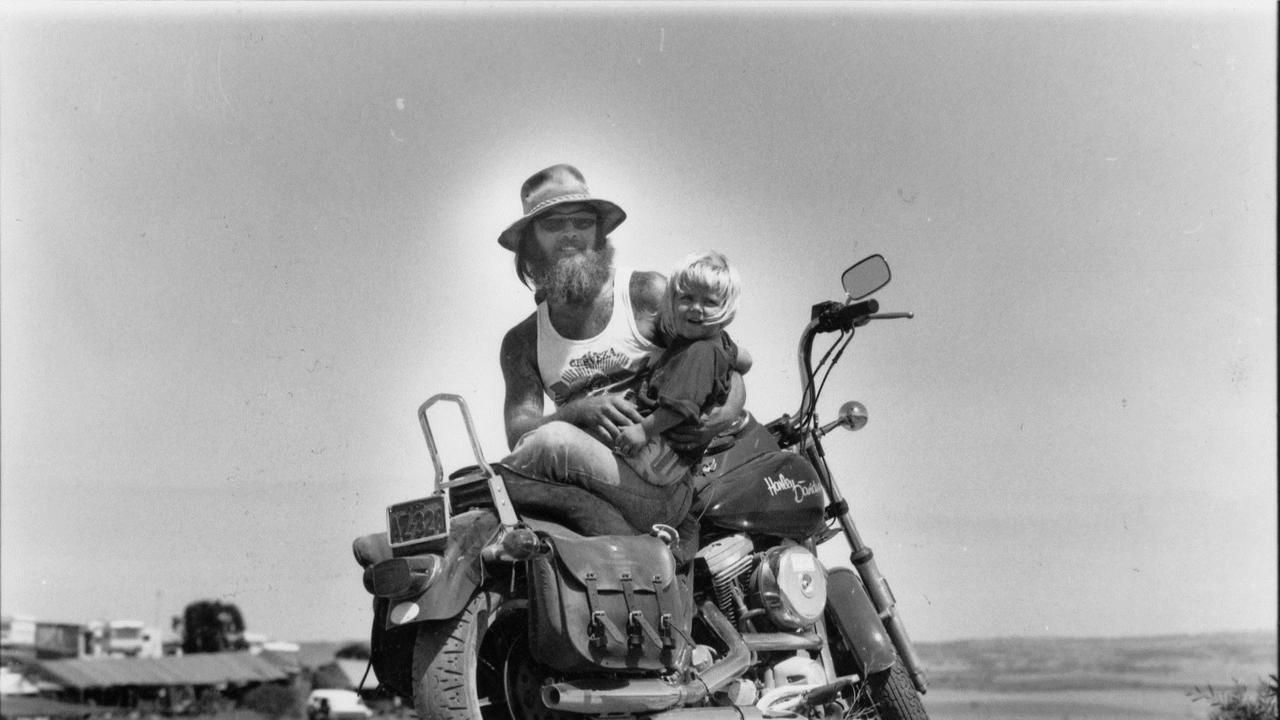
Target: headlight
(791, 586)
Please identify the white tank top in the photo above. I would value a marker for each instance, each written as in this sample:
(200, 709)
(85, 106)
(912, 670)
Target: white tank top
(608, 361)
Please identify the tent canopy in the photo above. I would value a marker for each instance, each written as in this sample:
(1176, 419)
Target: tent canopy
(197, 669)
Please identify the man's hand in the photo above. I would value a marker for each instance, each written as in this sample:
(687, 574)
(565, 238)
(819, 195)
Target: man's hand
(602, 414)
(630, 439)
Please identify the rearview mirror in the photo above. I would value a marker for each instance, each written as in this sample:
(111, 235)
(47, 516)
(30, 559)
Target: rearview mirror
(865, 277)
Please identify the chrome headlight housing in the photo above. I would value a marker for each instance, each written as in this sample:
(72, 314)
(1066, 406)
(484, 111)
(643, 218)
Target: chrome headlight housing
(791, 586)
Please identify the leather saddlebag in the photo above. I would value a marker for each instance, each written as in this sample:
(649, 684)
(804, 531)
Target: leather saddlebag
(612, 602)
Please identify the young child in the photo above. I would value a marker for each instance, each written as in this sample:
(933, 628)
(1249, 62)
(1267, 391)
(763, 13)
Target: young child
(692, 375)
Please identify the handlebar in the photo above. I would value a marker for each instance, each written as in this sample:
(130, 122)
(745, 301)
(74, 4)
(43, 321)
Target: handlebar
(830, 317)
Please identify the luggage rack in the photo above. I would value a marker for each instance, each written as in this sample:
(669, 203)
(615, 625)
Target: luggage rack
(465, 489)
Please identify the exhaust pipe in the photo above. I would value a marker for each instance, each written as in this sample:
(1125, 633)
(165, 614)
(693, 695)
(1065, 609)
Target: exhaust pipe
(595, 696)
(599, 697)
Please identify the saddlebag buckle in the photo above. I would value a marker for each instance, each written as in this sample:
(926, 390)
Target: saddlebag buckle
(600, 628)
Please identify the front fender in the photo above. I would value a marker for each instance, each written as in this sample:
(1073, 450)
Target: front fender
(857, 621)
(460, 574)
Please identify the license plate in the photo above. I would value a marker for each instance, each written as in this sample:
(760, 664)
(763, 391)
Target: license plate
(417, 521)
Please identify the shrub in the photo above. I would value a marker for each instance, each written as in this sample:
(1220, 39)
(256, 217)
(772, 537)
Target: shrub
(1236, 703)
(273, 701)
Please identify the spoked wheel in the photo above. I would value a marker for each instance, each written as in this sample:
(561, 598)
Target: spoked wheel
(477, 667)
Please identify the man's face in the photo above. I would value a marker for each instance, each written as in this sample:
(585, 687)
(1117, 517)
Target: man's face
(573, 269)
(566, 231)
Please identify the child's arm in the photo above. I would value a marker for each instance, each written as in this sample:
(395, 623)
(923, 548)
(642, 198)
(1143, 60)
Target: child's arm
(633, 437)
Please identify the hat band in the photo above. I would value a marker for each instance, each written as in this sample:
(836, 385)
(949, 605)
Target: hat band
(556, 201)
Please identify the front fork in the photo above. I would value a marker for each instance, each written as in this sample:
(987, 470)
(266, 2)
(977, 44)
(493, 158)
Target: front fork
(877, 587)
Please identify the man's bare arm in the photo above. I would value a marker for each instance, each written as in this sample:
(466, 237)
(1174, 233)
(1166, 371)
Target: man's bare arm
(524, 402)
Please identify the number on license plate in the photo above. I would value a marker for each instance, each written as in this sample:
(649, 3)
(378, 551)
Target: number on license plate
(417, 520)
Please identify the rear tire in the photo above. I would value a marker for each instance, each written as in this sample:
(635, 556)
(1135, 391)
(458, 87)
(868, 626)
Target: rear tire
(895, 696)
(476, 666)
(449, 676)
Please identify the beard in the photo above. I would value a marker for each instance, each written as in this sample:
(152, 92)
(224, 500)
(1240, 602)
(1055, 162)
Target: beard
(577, 279)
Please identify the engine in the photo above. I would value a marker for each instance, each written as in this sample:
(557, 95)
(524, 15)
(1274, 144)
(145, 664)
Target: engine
(785, 583)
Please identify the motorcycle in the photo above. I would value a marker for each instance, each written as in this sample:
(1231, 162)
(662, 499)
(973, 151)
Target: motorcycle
(489, 608)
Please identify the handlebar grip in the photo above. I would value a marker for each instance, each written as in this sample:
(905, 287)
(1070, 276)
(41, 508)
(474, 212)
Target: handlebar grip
(844, 317)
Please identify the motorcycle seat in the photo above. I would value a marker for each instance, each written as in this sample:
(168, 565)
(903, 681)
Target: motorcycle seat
(551, 528)
(569, 506)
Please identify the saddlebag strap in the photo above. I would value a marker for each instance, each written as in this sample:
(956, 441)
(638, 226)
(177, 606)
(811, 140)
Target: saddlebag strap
(664, 618)
(637, 626)
(599, 624)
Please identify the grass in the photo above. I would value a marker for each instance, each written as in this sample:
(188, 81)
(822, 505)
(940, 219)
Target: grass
(1094, 678)
(1058, 664)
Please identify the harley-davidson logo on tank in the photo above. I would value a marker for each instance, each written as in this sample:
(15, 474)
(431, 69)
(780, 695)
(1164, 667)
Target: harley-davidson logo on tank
(783, 484)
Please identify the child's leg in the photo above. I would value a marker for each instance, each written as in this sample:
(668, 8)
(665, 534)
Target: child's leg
(658, 464)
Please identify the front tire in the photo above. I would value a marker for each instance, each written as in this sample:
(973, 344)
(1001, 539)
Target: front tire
(895, 696)
(885, 695)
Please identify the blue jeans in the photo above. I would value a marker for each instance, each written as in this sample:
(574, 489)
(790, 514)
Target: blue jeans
(559, 452)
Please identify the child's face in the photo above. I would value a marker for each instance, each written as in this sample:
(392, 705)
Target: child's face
(692, 308)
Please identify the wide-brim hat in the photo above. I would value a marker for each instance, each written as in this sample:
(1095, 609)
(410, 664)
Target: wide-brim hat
(558, 185)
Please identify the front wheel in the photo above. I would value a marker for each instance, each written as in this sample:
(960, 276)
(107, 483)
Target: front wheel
(476, 666)
(895, 696)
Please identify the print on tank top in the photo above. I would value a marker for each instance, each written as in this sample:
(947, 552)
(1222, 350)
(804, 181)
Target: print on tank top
(595, 373)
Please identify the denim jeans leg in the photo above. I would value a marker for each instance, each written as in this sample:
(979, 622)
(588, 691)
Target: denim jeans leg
(563, 452)
(560, 452)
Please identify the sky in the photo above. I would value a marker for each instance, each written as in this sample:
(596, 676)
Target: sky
(240, 243)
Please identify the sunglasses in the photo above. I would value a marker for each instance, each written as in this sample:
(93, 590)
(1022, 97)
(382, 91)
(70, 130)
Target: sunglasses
(557, 223)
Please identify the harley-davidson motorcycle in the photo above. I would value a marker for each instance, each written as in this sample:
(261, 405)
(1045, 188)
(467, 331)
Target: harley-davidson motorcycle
(490, 606)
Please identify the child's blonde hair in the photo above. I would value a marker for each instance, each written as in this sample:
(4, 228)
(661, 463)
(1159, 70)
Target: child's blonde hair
(709, 272)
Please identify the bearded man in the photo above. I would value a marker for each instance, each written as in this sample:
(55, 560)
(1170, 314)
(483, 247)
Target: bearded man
(593, 333)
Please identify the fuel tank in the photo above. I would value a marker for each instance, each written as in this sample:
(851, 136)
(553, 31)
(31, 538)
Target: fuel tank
(776, 493)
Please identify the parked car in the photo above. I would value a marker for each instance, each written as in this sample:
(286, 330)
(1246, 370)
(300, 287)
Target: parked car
(332, 704)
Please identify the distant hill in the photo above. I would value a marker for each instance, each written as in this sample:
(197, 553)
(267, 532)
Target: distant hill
(1056, 664)
(1176, 662)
